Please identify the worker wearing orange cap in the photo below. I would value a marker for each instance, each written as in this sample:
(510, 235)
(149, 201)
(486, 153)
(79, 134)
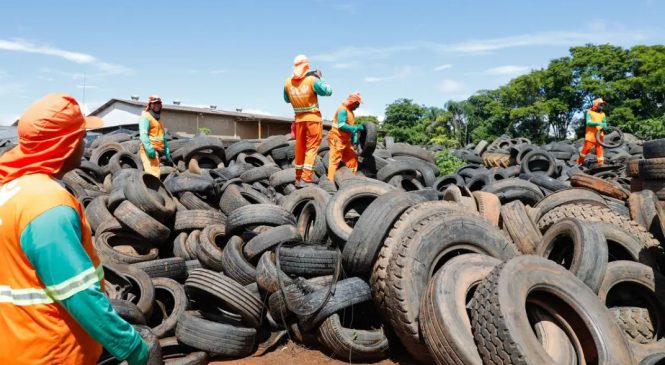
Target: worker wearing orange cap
(595, 121)
(153, 138)
(302, 90)
(343, 135)
(52, 307)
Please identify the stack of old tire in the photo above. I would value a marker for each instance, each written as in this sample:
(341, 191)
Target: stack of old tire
(224, 257)
(649, 172)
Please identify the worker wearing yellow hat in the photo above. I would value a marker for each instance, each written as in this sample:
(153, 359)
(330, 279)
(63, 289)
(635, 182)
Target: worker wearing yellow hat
(595, 121)
(153, 137)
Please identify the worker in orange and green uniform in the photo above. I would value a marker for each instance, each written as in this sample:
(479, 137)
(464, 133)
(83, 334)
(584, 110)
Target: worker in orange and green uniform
(153, 138)
(302, 91)
(52, 309)
(343, 135)
(595, 121)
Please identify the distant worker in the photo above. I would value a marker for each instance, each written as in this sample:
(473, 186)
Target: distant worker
(595, 120)
(302, 91)
(343, 135)
(153, 137)
(52, 307)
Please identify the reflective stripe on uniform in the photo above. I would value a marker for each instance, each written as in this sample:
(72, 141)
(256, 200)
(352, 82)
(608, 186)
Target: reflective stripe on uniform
(308, 167)
(59, 292)
(298, 167)
(310, 108)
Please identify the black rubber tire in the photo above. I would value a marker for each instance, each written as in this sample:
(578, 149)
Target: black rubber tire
(445, 324)
(579, 247)
(141, 223)
(348, 292)
(232, 199)
(142, 291)
(622, 245)
(286, 153)
(312, 224)
(212, 287)
(530, 160)
(371, 229)
(346, 196)
(515, 189)
(453, 179)
(189, 220)
(633, 284)
(645, 209)
(367, 139)
(216, 338)
(259, 173)
(237, 148)
(235, 265)
(546, 182)
(148, 193)
(211, 243)
(414, 260)
(128, 311)
(308, 260)
(175, 353)
(403, 149)
(501, 328)
(283, 177)
(169, 292)
(105, 242)
(654, 148)
(97, 212)
(171, 267)
(124, 160)
(520, 228)
(597, 213)
(352, 344)
(266, 274)
(270, 239)
(191, 201)
(257, 215)
(411, 217)
(271, 143)
(567, 196)
(479, 181)
(102, 154)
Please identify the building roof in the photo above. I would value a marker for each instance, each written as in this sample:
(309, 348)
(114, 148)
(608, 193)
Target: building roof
(193, 109)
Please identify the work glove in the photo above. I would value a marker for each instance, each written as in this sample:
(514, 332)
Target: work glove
(167, 153)
(150, 151)
(604, 125)
(354, 139)
(360, 127)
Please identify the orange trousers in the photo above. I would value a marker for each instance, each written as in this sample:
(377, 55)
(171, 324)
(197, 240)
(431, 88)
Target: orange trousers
(150, 165)
(308, 141)
(588, 145)
(341, 150)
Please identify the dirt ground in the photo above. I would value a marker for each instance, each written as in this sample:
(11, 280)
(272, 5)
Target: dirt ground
(294, 354)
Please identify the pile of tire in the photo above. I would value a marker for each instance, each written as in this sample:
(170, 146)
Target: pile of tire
(222, 257)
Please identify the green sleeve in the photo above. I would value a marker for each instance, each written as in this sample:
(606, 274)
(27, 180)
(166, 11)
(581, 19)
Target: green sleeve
(286, 96)
(341, 122)
(144, 125)
(321, 87)
(52, 243)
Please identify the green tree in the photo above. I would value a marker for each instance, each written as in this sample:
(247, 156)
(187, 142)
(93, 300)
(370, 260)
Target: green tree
(404, 121)
(367, 118)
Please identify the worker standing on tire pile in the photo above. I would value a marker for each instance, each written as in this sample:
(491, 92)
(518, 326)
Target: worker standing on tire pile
(52, 309)
(302, 91)
(153, 138)
(595, 121)
(343, 135)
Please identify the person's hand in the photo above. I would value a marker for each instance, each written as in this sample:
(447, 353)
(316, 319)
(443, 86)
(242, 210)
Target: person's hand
(167, 153)
(151, 153)
(604, 125)
(318, 73)
(354, 139)
(361, 127)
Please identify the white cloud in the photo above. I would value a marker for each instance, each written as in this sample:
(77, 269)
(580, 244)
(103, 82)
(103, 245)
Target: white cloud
(402, 73)
(8, 119)
(451, 86)
(19, 45)
(507, 70)
(443, 67)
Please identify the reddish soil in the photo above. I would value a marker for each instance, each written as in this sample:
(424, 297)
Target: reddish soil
(294, 354)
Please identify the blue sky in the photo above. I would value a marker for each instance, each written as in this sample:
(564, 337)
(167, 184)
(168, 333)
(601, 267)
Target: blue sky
(237, 54)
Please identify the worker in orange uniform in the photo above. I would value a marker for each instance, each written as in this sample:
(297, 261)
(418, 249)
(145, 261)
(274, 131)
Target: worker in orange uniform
(595, 120)
(52, 309)
(153, 138)
(302, 91)
(343, 135)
